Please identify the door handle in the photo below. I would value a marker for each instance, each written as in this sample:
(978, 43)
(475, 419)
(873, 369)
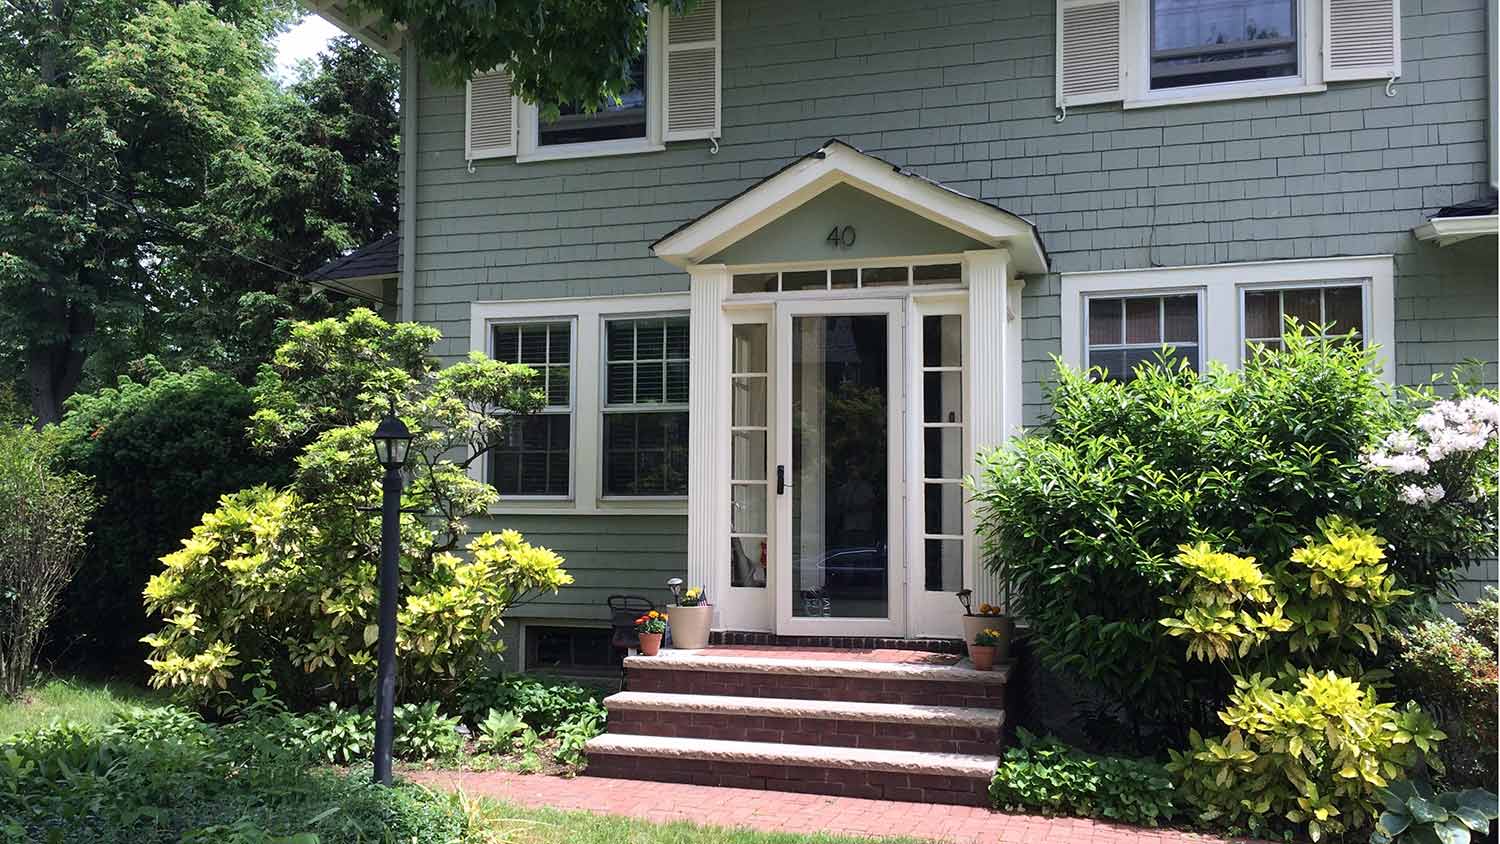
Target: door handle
(781, 485)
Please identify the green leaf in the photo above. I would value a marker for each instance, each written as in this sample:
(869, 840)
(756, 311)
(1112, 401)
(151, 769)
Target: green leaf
(1426, 811)
(1393, 824)
(1472, 818)
(1485, 802)
(1452, 832)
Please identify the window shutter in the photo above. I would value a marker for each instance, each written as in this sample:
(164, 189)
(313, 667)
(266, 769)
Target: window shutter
(490, 116)
(1361, 39)
(1090, 51)
(692, 73)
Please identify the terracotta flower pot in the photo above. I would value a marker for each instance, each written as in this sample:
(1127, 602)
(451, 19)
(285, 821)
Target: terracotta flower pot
(983, 656)
(650, 643)
(973, 624)
(690, 626)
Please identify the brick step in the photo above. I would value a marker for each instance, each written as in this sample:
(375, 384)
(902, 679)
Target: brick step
(845, 771)
(707, 673)
(889, 726)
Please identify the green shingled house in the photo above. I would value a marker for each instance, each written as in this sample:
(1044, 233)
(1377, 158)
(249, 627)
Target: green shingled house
(824, 252)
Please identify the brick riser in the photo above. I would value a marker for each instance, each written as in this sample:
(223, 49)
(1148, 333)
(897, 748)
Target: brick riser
(814, 731)
(937, 646)
(874, 785)
(797, 687)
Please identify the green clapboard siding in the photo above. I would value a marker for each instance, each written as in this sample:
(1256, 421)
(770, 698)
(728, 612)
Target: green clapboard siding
(961, 91)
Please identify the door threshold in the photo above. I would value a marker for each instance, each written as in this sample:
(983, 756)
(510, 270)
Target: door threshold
(932, 645)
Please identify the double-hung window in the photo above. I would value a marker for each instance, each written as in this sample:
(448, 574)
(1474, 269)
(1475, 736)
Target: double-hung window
(1125, 331)
(1199, 42)
(534, 460)
(645, 409)
(1333, 310)
(1118, 319)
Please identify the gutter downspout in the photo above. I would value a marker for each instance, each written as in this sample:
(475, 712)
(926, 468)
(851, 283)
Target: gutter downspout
(408, 283)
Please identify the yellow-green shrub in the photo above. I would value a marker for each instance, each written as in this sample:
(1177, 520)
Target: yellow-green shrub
(1311, 749)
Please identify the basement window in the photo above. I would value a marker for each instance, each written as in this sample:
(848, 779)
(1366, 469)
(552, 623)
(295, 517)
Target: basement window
(572, 649)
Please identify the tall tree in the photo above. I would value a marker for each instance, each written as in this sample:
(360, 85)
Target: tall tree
(152, 177)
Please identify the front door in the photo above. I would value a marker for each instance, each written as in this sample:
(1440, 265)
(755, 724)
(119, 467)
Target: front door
(838, 484)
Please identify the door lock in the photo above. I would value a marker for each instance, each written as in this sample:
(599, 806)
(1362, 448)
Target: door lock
(781, 485)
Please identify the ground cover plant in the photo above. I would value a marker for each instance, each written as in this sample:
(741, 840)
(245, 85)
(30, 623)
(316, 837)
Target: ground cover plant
(1043, 775)
(73, 699)
(284, 578)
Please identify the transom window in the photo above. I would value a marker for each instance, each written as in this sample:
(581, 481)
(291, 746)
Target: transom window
(1199, 42)
(848, 278)
(1336, 309)
(535, 458)
(1126, 331)
(646, 406)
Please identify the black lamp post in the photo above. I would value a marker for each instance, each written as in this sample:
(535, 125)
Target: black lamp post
(392, 440)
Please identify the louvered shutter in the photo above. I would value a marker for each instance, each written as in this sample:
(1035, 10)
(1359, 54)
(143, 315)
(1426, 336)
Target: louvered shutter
(692, 71)
(490, 116)
(1361, 39)
(1090, 51)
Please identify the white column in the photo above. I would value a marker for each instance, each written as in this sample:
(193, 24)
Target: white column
(708, 434)
(994, 374)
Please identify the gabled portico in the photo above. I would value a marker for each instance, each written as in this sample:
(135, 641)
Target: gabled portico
(855, 341)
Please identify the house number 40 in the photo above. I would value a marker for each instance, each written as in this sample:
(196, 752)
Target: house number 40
(841, 237)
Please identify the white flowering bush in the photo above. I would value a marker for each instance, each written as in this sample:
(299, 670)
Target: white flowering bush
(1439, 476)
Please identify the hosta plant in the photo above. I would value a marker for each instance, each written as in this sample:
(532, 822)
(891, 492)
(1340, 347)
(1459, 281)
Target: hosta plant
(422, 732)
(498, 731)
(1415, 815)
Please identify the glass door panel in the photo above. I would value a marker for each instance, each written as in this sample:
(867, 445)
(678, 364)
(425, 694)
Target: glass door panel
(840, 484)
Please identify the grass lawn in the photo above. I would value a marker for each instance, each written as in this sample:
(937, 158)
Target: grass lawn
(70, 699)
(521, 825)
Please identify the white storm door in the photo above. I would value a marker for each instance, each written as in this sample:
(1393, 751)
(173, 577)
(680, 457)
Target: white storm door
(838, 480)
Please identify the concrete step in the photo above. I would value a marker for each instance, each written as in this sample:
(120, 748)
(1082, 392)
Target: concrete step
(830, 677)
(846, 771)
(887, 726)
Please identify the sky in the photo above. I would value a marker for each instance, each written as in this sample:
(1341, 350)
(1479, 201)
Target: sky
(303, 41)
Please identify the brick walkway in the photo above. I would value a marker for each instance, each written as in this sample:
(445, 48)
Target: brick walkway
(806, 813)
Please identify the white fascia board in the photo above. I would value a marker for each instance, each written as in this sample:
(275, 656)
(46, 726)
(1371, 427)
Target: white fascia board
(840, 164)
(362, 27)
(1449, 230)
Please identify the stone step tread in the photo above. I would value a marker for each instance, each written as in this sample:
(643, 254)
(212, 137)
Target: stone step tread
(663, 748)
(671, 659)
(759, 707)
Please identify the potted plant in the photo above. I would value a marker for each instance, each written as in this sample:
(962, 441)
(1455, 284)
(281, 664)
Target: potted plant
(690, 618)
(982, 649)
(987, 617)
(650, 628)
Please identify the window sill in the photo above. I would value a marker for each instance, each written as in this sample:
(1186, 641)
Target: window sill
(598, 149)
(1223, 93)
(602, 509)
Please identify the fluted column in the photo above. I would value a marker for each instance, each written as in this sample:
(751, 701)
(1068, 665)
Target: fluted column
(994, 374)
(708, 434)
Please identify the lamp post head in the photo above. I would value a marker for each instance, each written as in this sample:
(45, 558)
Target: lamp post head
(392, 440)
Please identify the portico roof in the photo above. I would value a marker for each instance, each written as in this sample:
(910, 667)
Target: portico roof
(838, 163)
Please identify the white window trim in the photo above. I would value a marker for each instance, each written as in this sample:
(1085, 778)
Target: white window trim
(571, 411)
(1137, 82)
(528, 118)
(1220, 311)
(587, 458)
(606, 408)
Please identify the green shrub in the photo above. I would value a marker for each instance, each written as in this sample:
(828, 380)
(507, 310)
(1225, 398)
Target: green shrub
(342, 736)
(422, 732)
(542, 704)
(1414, 813)
(44, 516)
(1082, 518)
(1047, 776)
(1451, 670)
(161, 450)
(1311, 750)
(285, 578)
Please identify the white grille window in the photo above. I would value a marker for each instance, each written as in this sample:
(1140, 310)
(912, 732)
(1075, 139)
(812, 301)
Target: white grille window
(1126, 331)
(646, 406)
(535, 458)
(750, 488)
(1335, 309)
(944, 456)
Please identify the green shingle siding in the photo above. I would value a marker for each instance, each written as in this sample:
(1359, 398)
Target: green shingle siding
(962, 92)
